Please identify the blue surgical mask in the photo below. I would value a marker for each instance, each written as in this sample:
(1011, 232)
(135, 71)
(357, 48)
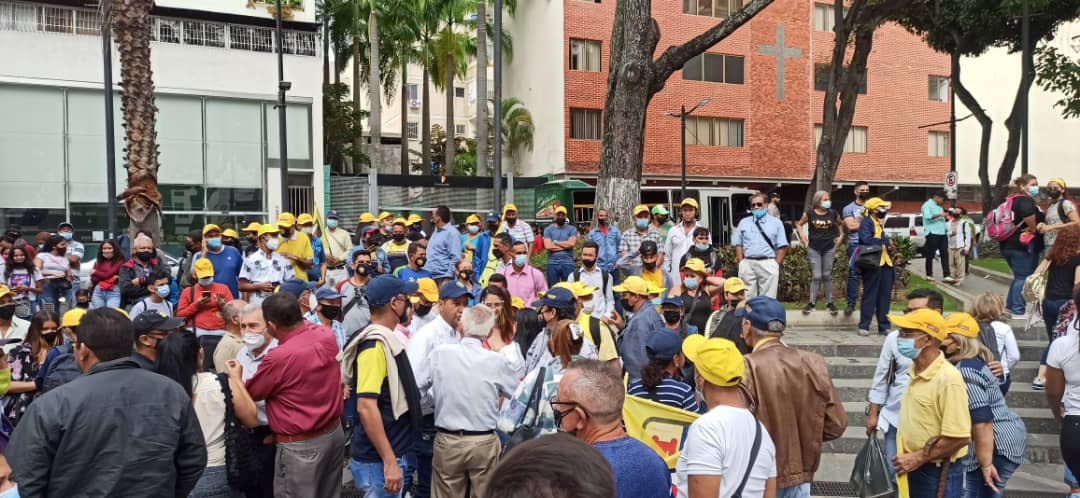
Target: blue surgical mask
(214, 243)
(758, 213)
(474, 228)
(690, 283)
(163, 291)
(66, 235)
(331, 223)
(907, 347)
(205, 282)
(520, 260)
(702, 247)
(826, 204)
(657, 301)
(641, 222)
(1033, 190)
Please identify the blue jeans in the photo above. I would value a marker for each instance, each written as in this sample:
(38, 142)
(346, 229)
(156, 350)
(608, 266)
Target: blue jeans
(105, 298)
(923, 482)
(1051, 309)
(51, 293)
(213, 483)
(424, 450)
(976, 487)
(877, 297)
(852, 277)
(890, 452)
(559, 272)
(797, 491)
(1022, 263)
(368, 477)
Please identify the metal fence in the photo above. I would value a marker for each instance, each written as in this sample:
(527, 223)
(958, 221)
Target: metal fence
(349, 197)
(301, 199)
(27, 17)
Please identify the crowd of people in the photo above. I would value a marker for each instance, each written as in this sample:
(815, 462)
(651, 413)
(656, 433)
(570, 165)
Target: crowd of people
(442, 364)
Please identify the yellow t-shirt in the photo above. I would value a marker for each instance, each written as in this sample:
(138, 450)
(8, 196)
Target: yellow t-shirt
(370, 370)
(300, 246)
(606, 349)
(655, 277)
(934, 404)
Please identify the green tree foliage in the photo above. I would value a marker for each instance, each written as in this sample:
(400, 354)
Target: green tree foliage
(342, 124)
(1058, 73)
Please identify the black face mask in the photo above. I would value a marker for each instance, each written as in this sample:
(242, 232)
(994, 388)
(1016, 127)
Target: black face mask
(144, 256)
(497, 253)
(404, 316)
(662, 219)
(862, 196)
(420, 262)
(398, 237)
(7, 311)
(83, 304)
(672, 316)
(423, 309)
(50, 337)
(1053, 193)
(511, 220)
(330, 312)
(494, 227)
(589, 263)
(626, 305)
(465, 275)
(880, 213)
(287, 233)
(560, 221)
(603, 223)
(649, 265)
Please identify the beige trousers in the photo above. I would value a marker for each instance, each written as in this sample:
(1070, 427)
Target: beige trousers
(957, 263)
(461, 461)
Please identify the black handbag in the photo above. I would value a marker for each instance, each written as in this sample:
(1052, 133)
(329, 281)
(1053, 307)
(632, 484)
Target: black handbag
(524, 432)
(869, 257)
(242, 465)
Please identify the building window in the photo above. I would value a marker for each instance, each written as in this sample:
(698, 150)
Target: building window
(821, 79)
(584, 55)
(413, 91)
(824, 17)
(491, 89)
(855, 143)
(412, 131)
(459, 129)
(711, 8)
(938, 144)
(459, 92)
(714, 132)
(585, 124)
(590, 1)
(939, 88)
(716, 68)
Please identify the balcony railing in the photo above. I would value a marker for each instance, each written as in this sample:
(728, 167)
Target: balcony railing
(27, 17)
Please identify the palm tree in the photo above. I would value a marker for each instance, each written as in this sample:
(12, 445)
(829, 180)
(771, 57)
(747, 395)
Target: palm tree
(375, 96)
(131, 28)
(517, 129)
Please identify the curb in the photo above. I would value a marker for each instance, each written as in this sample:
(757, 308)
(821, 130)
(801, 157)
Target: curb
(991, 274)
(965, 298)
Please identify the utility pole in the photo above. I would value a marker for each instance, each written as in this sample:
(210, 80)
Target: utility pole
(683, 113)
(497, 118)
(283, 86)
(952, 137)
(110, 132)
(1025, 58)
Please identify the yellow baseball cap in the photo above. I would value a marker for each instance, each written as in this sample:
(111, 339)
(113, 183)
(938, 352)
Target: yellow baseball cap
(695, 264)
(689, 201)
(204, 268)
(72, 317)
(228, 232)
(252, 227)
(579, 289)
(734, 285)
(400, 221)
(1058, 181)
(210, 228)
(366, 218)
(963, 324)
(305, 219)
(517, 303)
(6, 291)
(560, 209)
(413, 219)
(267, 229)
(428, 289)
(286, 220)
(924, 320)
(472, 219)
(634, 285)
(717, 359)
(509, 207)
(641, 208)
(655, 290)
(877, 202)
(384, 215)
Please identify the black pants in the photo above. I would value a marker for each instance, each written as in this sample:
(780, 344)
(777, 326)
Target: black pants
(1070, 443)
(937, 244)
(265, 454)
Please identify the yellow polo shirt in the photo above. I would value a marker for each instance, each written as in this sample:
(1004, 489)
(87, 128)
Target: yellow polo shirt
(934, 404)
(299, 246)
(654, 277)
(606, 350)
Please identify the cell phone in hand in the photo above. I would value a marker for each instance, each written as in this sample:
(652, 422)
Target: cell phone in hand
(206, 294)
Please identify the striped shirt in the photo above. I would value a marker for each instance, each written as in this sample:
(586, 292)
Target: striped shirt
(520, 232)
(670, 392)
(986, 404)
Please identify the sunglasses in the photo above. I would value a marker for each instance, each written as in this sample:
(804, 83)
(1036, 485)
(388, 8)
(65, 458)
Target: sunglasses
(559, 415)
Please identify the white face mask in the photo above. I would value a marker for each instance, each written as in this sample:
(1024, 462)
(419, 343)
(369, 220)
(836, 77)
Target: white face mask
(312, 302)
(272, 244)
(308, 230)
(588, 307)
(254, 340)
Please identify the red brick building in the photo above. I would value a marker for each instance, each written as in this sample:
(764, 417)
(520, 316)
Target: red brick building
(759, 128)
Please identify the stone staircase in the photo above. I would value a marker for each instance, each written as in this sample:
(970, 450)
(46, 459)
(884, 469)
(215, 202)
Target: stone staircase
(852, 360)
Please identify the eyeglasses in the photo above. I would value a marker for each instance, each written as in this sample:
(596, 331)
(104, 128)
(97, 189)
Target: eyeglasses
(559, 415)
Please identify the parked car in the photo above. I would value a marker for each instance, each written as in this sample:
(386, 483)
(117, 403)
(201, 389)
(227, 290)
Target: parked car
(906, 225)
(90, 256)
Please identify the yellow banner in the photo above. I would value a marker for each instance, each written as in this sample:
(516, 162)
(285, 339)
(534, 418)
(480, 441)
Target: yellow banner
(659, 426)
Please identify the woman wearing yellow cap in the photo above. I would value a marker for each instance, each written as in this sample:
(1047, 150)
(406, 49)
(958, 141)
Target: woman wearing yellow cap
(998, 433)
(874, 263)
(1060, 213)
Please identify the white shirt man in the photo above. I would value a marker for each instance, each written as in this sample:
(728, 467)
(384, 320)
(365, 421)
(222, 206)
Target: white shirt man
(680, 238)
(336, 245)
(265, 268)
(603, 301)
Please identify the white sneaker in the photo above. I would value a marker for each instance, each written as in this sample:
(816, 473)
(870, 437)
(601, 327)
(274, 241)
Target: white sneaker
(947, 280)
(1014, 316)
(864, 333)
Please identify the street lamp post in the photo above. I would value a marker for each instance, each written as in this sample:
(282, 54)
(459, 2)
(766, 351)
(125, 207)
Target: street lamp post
(683, 113)
(110, 140)
(496, 120)
(283, 86)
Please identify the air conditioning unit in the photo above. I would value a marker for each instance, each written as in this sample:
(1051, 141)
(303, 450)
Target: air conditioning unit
(414, 104)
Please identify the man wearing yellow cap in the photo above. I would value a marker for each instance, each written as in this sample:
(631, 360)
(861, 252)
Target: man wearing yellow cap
(11, 326)
(596, 331)
(295, 246)
(397, 248)
(629, 247)
(518, 230)
(760, 245)
(680, 238)
(264, 269)
(226, 259)
(251, 234)
(935, 425)
(560, 239)
(718, 457)
(634, 294)
(476, 243)
(306, 224)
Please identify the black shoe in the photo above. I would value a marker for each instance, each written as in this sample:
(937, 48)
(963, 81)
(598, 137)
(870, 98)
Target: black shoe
(850, 310)
(832, 309)
(808, 308)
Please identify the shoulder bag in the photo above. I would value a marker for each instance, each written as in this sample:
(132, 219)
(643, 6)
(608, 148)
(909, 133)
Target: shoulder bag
(242, 465)
(526, 431)
(753, 459)
(868, 257)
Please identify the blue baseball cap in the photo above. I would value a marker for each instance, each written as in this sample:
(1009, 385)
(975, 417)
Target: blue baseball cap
(332, 215)
(491, 216)
(295, 286)
(672, 300)
(381, 289)
(452, 290)
(663, 344)
(555, 298)
(761, 311)
(326, 293)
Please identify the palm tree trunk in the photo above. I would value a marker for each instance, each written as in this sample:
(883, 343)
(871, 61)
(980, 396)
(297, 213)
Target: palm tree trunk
(425, 124)
(142, 201)
(375, 91)
(358, 142)
(404, 118)
(451, 144)
(481, 89)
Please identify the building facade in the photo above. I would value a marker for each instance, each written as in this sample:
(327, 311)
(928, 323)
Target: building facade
(766, 96)
(215, 77)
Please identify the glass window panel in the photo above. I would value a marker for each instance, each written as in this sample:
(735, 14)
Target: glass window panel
(86, 147)
(94, 217)
(233, 146)
(234, 199)
(703, 132)
(298, 129)
(31, 220)
(735, 133)
(733, 69)
(175, 227)
(592, 52)
(180, 136)
(821, 77)
(575, 55)
(689, 7)
(714, 68)
(32, 146)
(705, 7)
(181, 197)
(817, 135)
(692, 69)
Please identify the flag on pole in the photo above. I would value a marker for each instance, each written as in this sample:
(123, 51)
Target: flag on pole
(317, 214)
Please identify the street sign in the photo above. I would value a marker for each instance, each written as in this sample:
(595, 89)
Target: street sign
(951, 184)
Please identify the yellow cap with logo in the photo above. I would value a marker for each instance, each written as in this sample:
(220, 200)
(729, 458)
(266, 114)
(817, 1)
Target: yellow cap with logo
(717, 360)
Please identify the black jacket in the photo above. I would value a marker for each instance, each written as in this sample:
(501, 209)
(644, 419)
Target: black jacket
(117, 431)
(130, 291)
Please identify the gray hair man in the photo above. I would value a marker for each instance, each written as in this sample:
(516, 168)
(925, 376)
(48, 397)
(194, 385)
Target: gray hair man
(232, 341)
(589, 405)
(134, 278)
(760, 243)
(466, 382)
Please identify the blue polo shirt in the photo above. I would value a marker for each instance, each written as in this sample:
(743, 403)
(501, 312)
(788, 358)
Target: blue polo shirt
(852, 210)
(227, 264)
(559, 234)
(753, 243)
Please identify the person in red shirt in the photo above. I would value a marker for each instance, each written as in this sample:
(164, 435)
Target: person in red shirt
(202, 305)
(301, 382)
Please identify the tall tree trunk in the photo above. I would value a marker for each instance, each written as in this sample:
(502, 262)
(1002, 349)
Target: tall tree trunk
(358, 142)
(985, 124)
(451, 144)
(425, 123)
(326, 51)
(1014, 124)
(633, 79)
(404, 118)
(375, 91)
(142, 201)
(481, 89)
